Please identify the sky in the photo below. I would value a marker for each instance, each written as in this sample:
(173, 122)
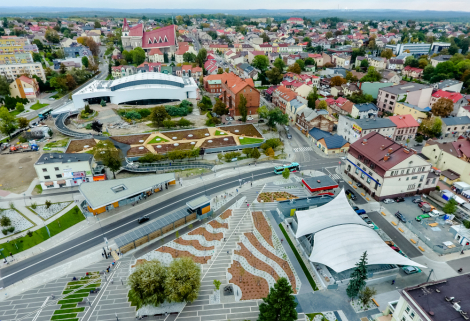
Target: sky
(438, 5)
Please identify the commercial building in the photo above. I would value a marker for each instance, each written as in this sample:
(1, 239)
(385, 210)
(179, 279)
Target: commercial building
(437, 47)
(354, 129)
(449, 85)
(283, 95)
(456, 126)
(412, 93)
(319, 184)
(433, 301)
(387, 169)
(138, 89)
(418, 113)
(77, 51)
(416, 49)
(25, 87)
(61, 170)
(104, 196)
(438, 59)
(308, 118)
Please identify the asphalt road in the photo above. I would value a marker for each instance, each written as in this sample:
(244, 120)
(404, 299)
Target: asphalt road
(395, 235)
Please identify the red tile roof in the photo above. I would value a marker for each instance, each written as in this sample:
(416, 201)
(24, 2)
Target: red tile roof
(163, 37)
(285, 93)
(455, 97)
(404, 121)
(136, 31)
(155, 51)
(26, 80)
(409, 68)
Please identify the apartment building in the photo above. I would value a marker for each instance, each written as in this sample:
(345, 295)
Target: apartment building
(342, 60)
(412, 93)
(408, 109)
(13, 71)
(283, 95)
(387, 169)
(379, 63)
(449, 85)
(25, 87)
(407, 127)
(354, 129)
(233, 87)
(455, 126)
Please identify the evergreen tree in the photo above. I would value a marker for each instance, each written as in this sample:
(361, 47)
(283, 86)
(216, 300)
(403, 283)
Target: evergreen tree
(358, 277)
(280, 303)
(242, 109)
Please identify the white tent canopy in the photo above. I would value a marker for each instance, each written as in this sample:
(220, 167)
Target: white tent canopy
(336, 212)
(340, 247)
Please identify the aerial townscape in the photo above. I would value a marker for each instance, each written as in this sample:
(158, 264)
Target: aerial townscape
(244, 163)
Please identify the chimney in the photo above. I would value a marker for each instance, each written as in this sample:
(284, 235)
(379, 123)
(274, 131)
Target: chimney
(386, 157)
(382, 147)
(406, 150)
(364, 141)
(390, 150)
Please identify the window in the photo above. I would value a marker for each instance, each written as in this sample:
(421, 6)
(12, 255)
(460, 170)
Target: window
(47, 177)
(368, 180)
(412, 315)
(411, 187)
(422, 178)
(362, 175)
(414, 177)
(44, 170)
(56, 168)
(357, 170)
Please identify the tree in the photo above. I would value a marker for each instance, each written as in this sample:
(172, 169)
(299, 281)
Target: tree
(364, 63)
(337, 81)
(242, 109)
(183, 280)
(48, 203)
(442, 107)
(419, 139)
(312, 98)
(109, 155)
(201, 57)
(366, 294)
(428, 72)
(93, 46)
(255, 153)
(279, 304)
(372, 75)
(387, 53)
(247, 151)
(294, 68)
(220, 71)
(359, 98)
(301, 64)
(97, 126)
(189, 57)
(138, 56)
(279, 64)
(276, 116)
(5, 221)
(38, 43)
(158, 115)
(260, 62)
(450, 207)
(422, 63)
(322, 105)
(220, 108)
(85, 61)
(168, 123)
(37, 57)
(8, 122)
(183, 122)
(4, 86)
(19, 107)
(71, 83)
(453, 49)
(52, 36)
(97, 24)
(274, 75)
(23, 122)
(147, 283)
(59, 83)
(263, 112)
(431, 127)
(286, 173)
(358, 277)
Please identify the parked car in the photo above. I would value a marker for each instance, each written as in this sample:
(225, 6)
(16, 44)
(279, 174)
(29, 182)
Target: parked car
(388, 201)
(417, 200)
(369, 222)
(360, 211)
(239, 119)
(289, 136)
(399, 199)
(422, 203)
(420, 217)
(400, 216)
(426, 208)
(411, 269)
(349, 192)
(249, 118)
(143, 219)
(260, 120)
(359, 185)
(228, 118)
(435, 213)
(355, 208)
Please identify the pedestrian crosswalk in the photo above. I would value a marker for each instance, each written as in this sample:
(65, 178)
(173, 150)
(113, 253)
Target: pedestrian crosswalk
(302, 149)
(336, 177)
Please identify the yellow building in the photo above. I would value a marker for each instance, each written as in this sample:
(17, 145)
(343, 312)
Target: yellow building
(24, 87)
(14, 58)
(418, 113)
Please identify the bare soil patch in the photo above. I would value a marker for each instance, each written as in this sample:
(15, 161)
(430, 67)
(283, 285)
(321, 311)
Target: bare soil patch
(263, 227)
(273, 196)
(247, 130)
(181, 134)
(219, 142)
(137, 151)
(176, 254)
(165, 148)
(207, 235)
(17, 171)
(131, 139)
(76, 146)
(225, 215)
(248, 283)
(215, 224)
(193, 243)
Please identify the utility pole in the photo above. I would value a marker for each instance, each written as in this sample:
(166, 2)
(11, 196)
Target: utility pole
(429, 276)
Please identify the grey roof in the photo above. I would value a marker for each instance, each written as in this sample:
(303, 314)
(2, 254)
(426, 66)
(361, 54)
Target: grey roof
(195, 203)
(369, 123)
(366, 107)
(50, 158)
(319, 181)
(331, 141)
(296, 104)
(446, 83)
(442, 58)
(403, 89)
(102, 193)
(452, 121)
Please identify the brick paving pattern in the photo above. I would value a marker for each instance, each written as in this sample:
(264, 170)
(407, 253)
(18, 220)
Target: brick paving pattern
(207, 235)
(253, 287)
(263, 227)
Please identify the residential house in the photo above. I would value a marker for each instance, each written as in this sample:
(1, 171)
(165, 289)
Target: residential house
(407, 127)
(438, 59)
(25, 87)
(303, 91)
(314, 118)
(354, 129)
(342, 60)
(386, 169)
(390, 76)
(340, 106)
(396, 64)
(281, 96)
(456, 98)
(327, 142)
(183, 47)
(233, 87)
(318, 59)
(379, 63)
(418, 113)
(268, 94)
(155, 55)
(247, 71)
(413, 72)
(123, 71)
(449, 85)
(412, 93)
(149, 67)
(455, 126)
(266, 47)
(293, 107)
(464, 111)
(345, 90)
(253, 54)
(365, 110)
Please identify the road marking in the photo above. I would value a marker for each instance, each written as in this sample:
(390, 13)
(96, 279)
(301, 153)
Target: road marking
(40, 310)
(101, 235)
(302, 149)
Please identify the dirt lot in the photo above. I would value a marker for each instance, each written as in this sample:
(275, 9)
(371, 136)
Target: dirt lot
(131, 139)
(219, 142)
(247, 130)
(169, 147)
(179, 135)
(78, 145)
(17, 171)
(137, 151)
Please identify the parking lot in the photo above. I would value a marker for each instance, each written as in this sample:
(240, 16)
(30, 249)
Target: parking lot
(435, 235)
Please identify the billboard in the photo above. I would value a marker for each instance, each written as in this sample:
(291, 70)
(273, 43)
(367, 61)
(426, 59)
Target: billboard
(356, 128)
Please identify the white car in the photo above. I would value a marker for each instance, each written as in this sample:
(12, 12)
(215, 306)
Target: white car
(388, 200)
(435, 213)
(249, 118)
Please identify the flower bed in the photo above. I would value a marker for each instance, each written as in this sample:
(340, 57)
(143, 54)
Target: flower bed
(217, 225)
(207, 235)
(18, 221)
(225, 215)
(176, 254)
(263, 227)
(193, 243)
(219, 142)
(272, 196)
(46, 213)
(169, 147)
(76, 146)
(247, 130)
(249, 283)
(131, 139)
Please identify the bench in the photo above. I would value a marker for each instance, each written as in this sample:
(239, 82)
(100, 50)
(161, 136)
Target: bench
(383, 214)
(375, 302)
(413, 241)
(419, 247)
(394, 223)
(401, 230)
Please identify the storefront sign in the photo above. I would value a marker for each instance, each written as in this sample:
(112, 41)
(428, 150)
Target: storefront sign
(357, 129)
(79, 174)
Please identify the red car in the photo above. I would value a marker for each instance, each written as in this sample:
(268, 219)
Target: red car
(422, 203)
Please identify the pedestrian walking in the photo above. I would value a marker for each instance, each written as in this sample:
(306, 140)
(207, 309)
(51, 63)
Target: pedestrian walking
(102, 255)
(227, 252)
(247, 205)
(237, 190)
(112, 280)
(12, 254)
(393, 282)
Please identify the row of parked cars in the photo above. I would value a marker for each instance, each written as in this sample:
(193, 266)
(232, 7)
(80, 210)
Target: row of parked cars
(428, 211)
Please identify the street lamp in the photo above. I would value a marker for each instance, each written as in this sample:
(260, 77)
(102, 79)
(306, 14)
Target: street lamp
(2, 253)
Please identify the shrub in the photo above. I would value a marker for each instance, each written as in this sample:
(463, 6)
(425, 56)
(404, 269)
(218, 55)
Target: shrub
(34, 206)
(30, 234)
(87, 109)
(151, 158)
(144, 112)
(438, 188)
(23, 139)
(48, 204)
(269, 152)
(11, 229)
(133, 114)
(5, 221)
(230, 155)
(4, 231)
(271, 143)
(466, 223)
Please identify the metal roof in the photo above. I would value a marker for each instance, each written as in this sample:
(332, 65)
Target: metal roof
(150, 227)
(452, 121)
(195, 203)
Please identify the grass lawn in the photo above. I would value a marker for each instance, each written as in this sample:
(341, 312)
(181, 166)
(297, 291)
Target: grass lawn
(62, 223)
(68, 306)
(219, 133)
(58, 143)
(14, 112)
(69, 301)
(38, 105)
(155, 141)
(56, 96)
(301, 262)
(38, 189)
(249, 140)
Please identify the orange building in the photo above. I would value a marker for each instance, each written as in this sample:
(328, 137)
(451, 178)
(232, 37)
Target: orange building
(24, 87)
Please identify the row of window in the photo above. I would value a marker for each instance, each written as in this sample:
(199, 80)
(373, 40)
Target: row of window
(408, 171)
(45, 169)
(49, 177)
(455, 128)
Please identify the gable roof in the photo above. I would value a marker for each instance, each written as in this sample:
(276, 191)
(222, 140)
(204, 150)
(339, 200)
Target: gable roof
(332, 141)
(455, 97)
(404, 121)
(452, 121)
(366, 107)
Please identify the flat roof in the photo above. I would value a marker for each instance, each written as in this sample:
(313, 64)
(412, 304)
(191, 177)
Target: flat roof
(195, 203)
(51, 158)
(429, 300)
(403, 89)
(369, 123)
(102, 193)
(319, 182)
